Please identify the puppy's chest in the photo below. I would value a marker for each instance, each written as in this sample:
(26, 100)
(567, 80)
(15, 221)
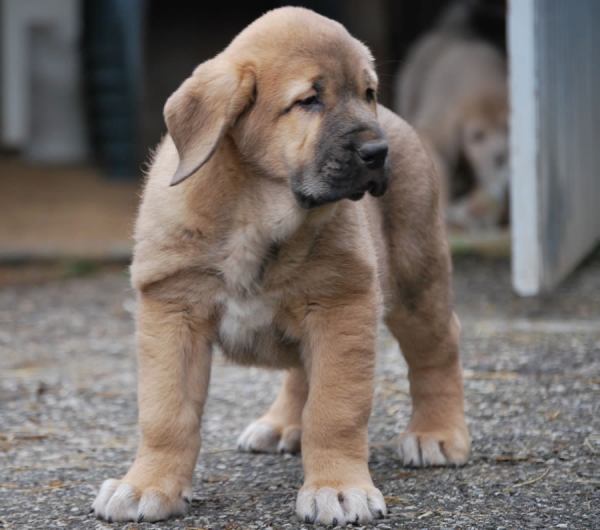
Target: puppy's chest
(261, 328)
(253, 301)
(243, 318)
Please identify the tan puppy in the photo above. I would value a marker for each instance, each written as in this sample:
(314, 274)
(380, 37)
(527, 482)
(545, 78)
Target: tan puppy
(260, 252)
(453, 90)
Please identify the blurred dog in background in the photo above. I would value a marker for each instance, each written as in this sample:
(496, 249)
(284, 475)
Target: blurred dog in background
(453, 89)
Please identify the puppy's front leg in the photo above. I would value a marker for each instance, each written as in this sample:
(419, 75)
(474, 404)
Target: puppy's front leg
(174, 370)
(340, 363)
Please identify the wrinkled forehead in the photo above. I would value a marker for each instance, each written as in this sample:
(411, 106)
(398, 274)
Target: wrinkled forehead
(327, 73)
(326, 70)
(292, 44)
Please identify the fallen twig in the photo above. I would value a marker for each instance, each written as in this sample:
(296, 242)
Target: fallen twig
(397, 500)
(216, 451)
(50, 488)
(528, 482)
(20, 436)
(589, 445)
(475, 376)
(508, 458)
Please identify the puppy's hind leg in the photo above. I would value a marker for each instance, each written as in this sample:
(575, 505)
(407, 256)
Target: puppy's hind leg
(279, 430)
(428, 332)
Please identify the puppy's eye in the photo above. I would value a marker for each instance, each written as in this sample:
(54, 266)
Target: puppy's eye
(309, 103)
(370, 95)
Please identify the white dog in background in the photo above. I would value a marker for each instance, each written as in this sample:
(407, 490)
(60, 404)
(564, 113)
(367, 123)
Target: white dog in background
(453, 89)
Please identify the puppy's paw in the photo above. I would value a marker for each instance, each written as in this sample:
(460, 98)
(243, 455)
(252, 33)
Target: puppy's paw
(266, 437)
(340, 506)
(121, 501)
(423, 449)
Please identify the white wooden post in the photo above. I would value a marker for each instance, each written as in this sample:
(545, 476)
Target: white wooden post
(554, 58)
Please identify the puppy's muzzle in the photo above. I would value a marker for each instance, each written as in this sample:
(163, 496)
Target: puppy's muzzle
(362, 166)
(373, 156)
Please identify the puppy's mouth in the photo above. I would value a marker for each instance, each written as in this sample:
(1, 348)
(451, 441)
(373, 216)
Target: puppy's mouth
(357, 196)
(307, 201)
(374, 188)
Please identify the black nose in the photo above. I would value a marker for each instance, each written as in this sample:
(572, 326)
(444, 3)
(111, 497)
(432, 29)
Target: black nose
(373, 154)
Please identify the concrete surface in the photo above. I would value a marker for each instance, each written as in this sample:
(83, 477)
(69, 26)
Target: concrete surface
(532, 367)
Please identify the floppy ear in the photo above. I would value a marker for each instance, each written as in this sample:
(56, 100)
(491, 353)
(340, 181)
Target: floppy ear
(203, 108)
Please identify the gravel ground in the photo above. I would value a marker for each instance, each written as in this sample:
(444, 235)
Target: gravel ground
(532, 376)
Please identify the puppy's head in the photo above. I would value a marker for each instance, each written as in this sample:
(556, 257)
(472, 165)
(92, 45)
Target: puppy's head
(485, 140)
(297, 95)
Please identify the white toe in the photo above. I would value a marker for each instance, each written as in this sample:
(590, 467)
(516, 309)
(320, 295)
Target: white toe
(106, 492)
(259, 437)
(408, 450)
(376, 503)
(356, 506)
(329, 510)
(306, 507)
(421, 451)
(432, 453)
(123, 505)
(155, 506)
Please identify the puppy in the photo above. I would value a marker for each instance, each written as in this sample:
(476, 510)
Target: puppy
(453, 90)
(264, 229)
